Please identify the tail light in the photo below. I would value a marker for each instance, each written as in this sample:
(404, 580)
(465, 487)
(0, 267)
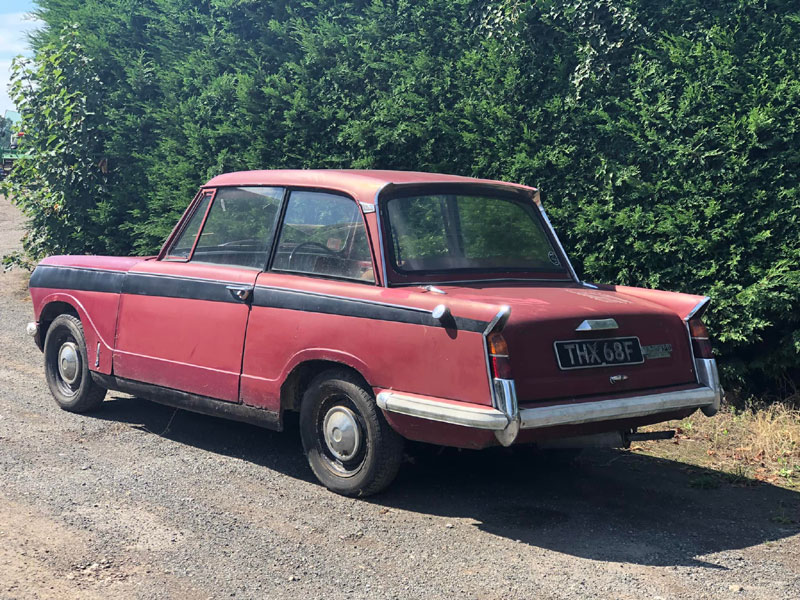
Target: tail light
(701, 345)
(498, 356)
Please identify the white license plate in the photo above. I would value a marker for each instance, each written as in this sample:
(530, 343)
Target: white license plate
(587, 354)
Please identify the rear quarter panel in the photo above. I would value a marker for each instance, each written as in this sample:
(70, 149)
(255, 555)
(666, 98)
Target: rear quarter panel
(296, 319)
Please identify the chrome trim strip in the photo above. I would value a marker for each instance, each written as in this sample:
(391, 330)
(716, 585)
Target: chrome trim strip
(597, 325)
(466, 416)
(707, 374)
(384, 280)
(493, 280)
(505, 394)
(492, 393)
(570, 268)
(433, 289)
(499, 321)
(367, 208)
(691, 350)
(702, 304)
(618, 408)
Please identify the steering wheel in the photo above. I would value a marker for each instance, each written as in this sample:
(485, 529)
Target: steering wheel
(301, 244)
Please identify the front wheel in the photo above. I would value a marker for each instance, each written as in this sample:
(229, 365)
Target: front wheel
(66, 366)
(349, 445)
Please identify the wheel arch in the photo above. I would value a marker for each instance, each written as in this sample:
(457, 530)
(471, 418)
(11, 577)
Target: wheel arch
(49, 312)
(301, 375)
(56, 303)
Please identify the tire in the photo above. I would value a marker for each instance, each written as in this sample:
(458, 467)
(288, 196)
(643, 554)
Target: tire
(72, 386)
(366, 455)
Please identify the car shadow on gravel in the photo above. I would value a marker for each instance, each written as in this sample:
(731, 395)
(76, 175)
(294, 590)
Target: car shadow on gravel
(280, 451)
(610, 505)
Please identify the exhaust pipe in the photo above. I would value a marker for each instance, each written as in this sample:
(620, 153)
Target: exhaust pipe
(651, 436)
(610, 439)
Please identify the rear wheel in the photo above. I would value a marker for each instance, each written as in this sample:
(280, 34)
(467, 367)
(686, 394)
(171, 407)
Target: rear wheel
(66, 366)
(349, 445)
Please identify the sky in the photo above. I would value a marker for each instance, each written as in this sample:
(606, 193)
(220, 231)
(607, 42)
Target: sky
(14, 24)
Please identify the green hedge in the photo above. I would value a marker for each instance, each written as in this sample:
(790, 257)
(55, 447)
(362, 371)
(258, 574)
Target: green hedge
(665, 135)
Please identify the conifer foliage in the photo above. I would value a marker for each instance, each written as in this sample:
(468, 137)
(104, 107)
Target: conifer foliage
(664, 135)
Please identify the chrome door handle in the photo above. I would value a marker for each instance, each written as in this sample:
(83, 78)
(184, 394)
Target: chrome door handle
(240, 292)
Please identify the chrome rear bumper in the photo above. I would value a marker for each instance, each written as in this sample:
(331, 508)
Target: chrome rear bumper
(506, 423)
(468, 415)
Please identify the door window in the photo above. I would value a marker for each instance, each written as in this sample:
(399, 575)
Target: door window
(239, 227)
(324, 234)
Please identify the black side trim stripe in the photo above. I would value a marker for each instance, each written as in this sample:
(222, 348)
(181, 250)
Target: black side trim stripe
(334, 305)
(174, 287)
(76, 278)
(210, 290)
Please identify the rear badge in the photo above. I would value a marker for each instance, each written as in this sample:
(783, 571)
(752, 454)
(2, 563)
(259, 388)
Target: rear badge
(597, 325)
(657, 351)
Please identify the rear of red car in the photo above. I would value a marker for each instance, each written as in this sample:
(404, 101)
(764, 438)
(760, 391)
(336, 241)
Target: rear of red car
(563, 358)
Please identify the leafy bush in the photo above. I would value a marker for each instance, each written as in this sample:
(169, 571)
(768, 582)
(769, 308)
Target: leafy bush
(60, 181)
(665, 135)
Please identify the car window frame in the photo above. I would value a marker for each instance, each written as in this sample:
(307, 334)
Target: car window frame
(279, 229)
(270, 242)
(183, 223)
(399, 277)
(191, 211)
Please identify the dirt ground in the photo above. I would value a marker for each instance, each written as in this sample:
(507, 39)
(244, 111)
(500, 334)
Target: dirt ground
(141, 501)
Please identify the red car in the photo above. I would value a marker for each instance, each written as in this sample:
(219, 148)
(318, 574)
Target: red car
(380, 305)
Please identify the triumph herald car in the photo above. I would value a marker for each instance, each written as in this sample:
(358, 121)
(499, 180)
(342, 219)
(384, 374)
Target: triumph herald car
(382, 306)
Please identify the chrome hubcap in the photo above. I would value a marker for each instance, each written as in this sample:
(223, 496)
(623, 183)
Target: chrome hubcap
(69, 362)
(342, 434)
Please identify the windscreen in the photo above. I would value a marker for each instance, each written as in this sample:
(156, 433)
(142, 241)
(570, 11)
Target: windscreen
(455, 232)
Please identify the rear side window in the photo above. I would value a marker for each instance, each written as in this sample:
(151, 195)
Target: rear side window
(324, 234)
(239, 227)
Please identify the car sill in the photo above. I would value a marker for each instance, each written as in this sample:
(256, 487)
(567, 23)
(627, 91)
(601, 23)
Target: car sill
(192, 402)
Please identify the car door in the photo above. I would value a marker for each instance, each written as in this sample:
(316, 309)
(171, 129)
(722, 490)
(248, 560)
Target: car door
(322, 255)
(183, 317)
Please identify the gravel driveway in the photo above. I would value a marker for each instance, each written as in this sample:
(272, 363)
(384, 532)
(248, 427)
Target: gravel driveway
(141, 501)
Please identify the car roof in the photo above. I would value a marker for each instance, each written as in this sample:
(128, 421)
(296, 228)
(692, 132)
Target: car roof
(361, 184)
